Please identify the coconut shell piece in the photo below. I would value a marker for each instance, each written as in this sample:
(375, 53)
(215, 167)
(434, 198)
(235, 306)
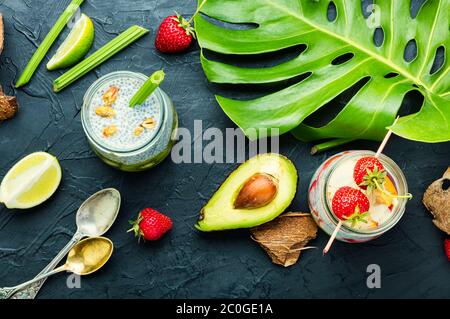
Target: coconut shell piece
(1, 33)
(285, 237)
(437, 201)
(8, 106)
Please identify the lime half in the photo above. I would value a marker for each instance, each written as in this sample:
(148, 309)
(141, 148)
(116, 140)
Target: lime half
(31, 181)
(75, 46)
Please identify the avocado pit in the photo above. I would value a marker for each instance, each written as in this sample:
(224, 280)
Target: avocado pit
(258, 191)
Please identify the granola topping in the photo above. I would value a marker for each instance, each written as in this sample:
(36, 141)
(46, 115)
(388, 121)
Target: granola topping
(149, 123)
(111, 95)
(138, 131)
(105, 111)
(110, 130)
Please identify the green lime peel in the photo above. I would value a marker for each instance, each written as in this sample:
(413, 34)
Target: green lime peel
(148, 88)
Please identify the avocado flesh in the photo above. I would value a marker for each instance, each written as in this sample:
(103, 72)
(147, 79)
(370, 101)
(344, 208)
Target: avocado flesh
(220, 214)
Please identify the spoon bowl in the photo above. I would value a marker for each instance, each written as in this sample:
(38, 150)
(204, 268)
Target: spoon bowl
(89, 255)
(97, 214)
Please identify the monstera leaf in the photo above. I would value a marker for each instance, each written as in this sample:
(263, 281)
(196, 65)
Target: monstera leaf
(281, 24)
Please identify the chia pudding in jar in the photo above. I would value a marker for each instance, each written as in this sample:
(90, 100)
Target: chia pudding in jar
(385, 211)
(130, 139)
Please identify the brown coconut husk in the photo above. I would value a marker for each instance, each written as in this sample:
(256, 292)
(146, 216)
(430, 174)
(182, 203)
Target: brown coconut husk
(437, 201)
(286, 237)
(8, 106)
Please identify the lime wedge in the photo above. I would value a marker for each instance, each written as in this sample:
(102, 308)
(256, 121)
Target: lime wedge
(75, 46)
(31, 181)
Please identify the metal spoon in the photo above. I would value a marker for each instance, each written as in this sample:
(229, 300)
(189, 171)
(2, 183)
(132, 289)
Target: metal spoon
(94, 217)
(86, 257)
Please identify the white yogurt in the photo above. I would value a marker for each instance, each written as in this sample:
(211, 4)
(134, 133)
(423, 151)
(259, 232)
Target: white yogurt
(126, 119)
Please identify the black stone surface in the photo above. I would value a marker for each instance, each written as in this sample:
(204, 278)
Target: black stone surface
(185, 263)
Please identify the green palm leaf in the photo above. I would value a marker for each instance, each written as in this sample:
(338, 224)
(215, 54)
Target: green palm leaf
(287, 23)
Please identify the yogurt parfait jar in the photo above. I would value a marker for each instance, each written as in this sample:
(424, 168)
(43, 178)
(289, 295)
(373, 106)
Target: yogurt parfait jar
(385, 211)
(129, 139)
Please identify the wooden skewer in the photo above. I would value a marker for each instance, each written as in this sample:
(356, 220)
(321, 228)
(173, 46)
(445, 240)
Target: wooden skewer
(333, 237)
(386, 139)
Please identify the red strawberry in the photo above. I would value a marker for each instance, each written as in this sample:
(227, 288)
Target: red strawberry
(447, 248)
(151, 224)
(175, 34)
(368, 173)
(350, 204)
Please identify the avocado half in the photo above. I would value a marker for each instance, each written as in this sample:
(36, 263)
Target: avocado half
(220, 213)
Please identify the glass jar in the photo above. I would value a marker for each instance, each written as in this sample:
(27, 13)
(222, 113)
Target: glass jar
(320, 203)
(127, 150)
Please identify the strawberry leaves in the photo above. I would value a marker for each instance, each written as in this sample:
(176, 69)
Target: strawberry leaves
(372, 178)
(357, 217)
(135, 227)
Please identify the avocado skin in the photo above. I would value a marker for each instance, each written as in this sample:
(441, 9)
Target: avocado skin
(241, 218)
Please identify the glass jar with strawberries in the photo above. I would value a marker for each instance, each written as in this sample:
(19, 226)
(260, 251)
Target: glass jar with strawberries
(356, 193)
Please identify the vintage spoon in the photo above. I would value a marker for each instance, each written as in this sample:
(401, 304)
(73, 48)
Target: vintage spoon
(94, 217)
(86, 257)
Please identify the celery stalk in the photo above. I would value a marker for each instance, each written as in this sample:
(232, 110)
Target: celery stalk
(113, 47)
(42, 50)
(147, 88)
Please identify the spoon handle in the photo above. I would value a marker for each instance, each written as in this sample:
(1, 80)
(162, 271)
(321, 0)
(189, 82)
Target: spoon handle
(7, 292)
(30, 291)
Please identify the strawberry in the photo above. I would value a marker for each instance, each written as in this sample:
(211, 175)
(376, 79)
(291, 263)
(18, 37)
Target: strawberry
(350, 204)
(447, 248)
(175, 34)
(369, 172)
(150, 224)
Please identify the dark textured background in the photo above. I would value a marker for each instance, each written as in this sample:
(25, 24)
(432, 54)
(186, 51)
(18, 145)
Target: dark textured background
(184, 263)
